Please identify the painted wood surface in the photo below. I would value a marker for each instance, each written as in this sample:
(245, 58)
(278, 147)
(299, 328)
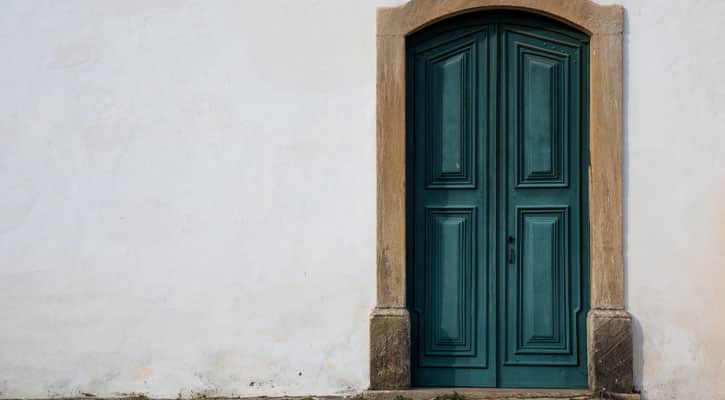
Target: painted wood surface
(497, 221)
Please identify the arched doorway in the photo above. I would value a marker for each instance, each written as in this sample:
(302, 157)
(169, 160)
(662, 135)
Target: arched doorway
(609, 326)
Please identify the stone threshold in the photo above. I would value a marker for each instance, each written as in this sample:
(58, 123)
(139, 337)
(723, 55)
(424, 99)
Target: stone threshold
(493, 394)
(407, 394)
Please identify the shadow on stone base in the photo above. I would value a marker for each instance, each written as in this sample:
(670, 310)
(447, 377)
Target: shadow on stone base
(389, 349)
(610, 351)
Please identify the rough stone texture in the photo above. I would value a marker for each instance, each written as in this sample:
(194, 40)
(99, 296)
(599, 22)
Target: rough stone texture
(391, 171)
(389, 349)
(610, 351)
(622, 396)
(605, 172)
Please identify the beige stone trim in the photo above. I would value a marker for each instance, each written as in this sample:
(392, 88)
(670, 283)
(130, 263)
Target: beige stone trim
(391, 170)
(605, 172)
(604, 24)
(585, 15)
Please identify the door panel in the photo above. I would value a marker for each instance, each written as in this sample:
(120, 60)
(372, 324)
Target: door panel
(541, 323)
(451, 312)
(541, 143)
(497, 217)
(450, 140)
(449, 277)
(543, 332)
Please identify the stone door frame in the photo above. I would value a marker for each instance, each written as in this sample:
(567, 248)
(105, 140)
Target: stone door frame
(609, 326)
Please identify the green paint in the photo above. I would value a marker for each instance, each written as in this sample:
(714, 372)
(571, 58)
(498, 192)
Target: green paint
(497, 212)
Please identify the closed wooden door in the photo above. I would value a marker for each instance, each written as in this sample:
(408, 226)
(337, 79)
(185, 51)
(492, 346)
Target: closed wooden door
(497, 215)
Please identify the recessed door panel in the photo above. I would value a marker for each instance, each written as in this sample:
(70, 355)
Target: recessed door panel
(541, 324)
(450, 139)
(542, 95)
(450, 280)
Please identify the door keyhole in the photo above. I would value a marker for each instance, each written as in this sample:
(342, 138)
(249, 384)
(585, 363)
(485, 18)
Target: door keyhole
(510, 250)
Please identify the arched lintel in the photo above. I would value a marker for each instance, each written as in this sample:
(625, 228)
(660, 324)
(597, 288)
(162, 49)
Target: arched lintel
(583, 15)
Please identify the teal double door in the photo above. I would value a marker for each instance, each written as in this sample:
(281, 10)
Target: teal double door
(497, 156)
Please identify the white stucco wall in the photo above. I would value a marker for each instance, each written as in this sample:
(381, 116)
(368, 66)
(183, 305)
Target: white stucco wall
(188, 196)
(675, 195)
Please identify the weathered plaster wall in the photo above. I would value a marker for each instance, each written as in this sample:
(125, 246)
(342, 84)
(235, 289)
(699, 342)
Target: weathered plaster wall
(675, 195)
(188, 196)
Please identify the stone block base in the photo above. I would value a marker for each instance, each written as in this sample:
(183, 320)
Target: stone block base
(610, 351)
(389, 349)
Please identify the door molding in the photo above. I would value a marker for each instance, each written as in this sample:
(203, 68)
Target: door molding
(609, 326)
